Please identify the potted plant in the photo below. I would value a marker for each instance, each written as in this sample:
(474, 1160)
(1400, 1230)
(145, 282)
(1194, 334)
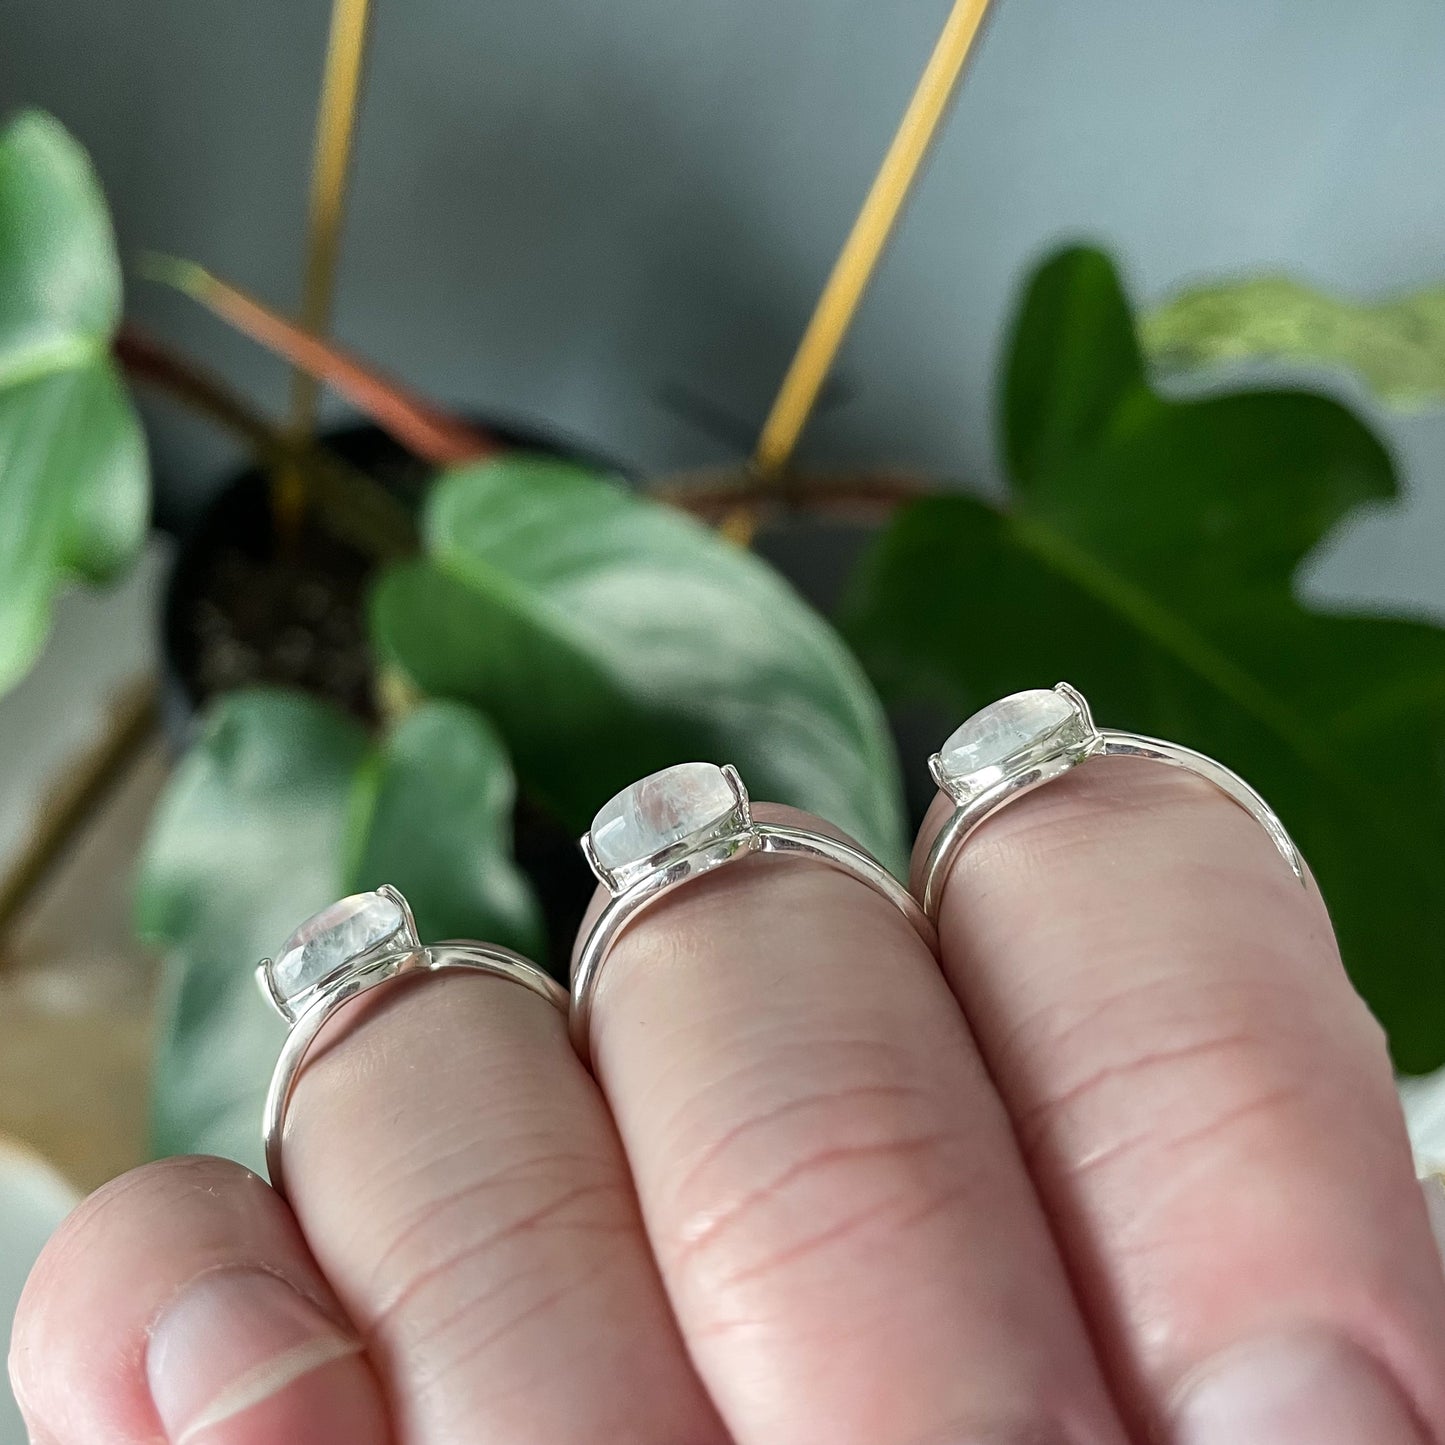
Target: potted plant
(517, 634)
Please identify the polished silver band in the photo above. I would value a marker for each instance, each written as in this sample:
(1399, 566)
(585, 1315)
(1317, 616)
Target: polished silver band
(997, 782)
(736, 834)
(366, 974)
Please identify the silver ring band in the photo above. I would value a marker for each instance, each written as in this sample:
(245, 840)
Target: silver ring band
(695, 843)
(359, 975)
(981, 781)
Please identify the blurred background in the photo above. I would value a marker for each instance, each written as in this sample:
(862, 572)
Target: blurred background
(576, 214)
(612, 222)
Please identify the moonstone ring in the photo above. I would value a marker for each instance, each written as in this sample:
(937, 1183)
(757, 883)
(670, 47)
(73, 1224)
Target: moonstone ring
(677, 825)
(341, 953)
(1027, 739)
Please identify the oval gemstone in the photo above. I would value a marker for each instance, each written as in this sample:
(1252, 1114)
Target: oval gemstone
(330, 938)
(1003, 731)
(672, 806)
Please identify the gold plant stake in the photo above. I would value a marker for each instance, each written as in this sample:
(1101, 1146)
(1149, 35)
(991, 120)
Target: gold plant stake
(865, 244)
(335, 129)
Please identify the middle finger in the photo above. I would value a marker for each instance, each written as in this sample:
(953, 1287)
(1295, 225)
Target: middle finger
(849, 1237)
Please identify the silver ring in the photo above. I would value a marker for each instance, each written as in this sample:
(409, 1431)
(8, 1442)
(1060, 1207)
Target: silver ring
(1014, 745)
(675, 826)
(344, 951)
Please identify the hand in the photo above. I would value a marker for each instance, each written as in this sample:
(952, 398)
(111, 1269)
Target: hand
(1128, 1167)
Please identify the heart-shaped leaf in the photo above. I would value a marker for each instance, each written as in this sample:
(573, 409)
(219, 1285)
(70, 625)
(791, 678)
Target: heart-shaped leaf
(1148, 555)
(609, 636)
(74, 489)
(282, 807)
(1397, 346)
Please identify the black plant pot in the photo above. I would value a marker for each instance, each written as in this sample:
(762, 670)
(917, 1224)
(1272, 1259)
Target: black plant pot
(241, 611)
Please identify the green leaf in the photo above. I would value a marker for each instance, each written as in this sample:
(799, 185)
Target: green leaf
(283, 806)
(1148, 556)
(249, 839)
(74, 491)
(438, 825)
(1397, 346)
(609, 636)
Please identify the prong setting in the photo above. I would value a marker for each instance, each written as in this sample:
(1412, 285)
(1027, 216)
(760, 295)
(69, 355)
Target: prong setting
(408, 934)
(1026, 740)
(667, 816)
(266, 982)
(602, 873)
(1040, 728)
(1081, 706)
(345, 938)
(677, 826)
(740, 793)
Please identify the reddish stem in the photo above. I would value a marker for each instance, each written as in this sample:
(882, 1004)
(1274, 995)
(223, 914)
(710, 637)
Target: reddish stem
(423, 429)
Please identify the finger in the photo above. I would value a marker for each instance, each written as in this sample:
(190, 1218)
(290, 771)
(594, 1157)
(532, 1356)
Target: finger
(1207, 1109)
(179, 1303)
(850, 1242)
(457, 1176)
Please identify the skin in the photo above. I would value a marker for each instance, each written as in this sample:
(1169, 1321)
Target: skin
(1132, 1128)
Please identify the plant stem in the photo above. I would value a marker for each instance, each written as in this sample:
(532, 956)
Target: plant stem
(865, 244)
(425, 430)
(356, 506)
(335, 130)
(152, 362)
(720, 498)
(360, 509)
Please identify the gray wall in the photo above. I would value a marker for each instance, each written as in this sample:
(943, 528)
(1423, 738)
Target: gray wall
(566, 211)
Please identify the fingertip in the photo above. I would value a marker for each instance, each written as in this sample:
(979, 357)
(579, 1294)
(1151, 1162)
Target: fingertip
(179, 1302)
(239, 1355)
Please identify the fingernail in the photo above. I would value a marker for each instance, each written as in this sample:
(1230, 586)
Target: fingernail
(229, 1341)
(1434, 1188)
(1295, 1390)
